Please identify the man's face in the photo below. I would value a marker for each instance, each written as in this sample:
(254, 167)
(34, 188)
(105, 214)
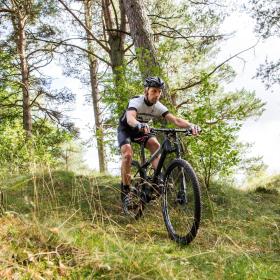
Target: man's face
(153, 94)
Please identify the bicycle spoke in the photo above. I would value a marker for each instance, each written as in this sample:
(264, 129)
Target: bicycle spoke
(181, 202)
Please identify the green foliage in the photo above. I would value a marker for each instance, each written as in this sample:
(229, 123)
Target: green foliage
(71, 153)
(39, 52)
(13, 148)
(267, 17)
(147, 64)
(118, 92)
(180, 51)
(8, 101)
(254, 168)
(19, 154)
(268, 72)
(186, 37)
(216, 151)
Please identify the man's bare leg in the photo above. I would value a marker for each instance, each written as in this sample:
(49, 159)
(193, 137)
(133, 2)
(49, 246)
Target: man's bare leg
(126, 152)
(152, 145)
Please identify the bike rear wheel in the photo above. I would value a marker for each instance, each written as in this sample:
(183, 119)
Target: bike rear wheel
(181, 202)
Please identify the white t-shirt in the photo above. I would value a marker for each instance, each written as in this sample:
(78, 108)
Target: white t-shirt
(144, 111)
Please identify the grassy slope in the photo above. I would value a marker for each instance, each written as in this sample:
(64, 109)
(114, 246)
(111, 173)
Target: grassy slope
(61, 226)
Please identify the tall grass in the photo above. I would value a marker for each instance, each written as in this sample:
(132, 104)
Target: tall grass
(57, 225)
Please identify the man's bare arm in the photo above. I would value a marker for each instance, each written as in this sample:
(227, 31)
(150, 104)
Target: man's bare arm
(131, 118)
(132, 121)
(178, 121)
(183, 123)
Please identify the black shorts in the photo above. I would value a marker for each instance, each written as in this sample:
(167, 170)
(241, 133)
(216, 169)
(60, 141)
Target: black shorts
(128, 135)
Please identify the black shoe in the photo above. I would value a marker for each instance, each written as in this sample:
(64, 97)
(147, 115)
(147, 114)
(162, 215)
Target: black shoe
(124, 190)
(128, 201)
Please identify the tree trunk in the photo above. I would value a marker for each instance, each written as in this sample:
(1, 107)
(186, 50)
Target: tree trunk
(116, 36)
(19, 27)
(142, 35)
(93, 65)
(141, 32)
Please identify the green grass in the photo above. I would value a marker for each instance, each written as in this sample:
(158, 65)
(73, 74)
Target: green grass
(61, 226)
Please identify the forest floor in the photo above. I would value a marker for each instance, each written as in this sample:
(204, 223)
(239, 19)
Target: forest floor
(57, 225)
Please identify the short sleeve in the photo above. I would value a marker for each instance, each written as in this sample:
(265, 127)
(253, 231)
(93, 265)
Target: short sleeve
(161, 110)
(133, 104)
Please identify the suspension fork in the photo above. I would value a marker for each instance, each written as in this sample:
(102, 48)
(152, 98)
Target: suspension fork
(183, 189)
(178, 147)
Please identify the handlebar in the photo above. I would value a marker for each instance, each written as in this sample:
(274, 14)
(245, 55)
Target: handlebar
(173, 130)
(167, 130)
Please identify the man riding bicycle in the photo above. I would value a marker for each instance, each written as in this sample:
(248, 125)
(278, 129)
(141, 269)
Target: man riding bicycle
(133, 126)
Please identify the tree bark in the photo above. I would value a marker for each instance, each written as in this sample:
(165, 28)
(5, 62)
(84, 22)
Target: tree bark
(19, 21)
(116, 36)
(141, 32)
(93, 68)
(27, 119)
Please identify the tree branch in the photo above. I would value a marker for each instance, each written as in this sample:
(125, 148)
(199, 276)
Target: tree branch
(215, 69)
(190, 36)
(115, 12)
(36, 97)
(84, 26)
(165, 18)
(3, 10)
(127, 48)
(62, 43)
(118, 30)
(183, 103)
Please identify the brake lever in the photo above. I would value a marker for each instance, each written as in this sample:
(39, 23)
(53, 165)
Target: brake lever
(188, 132)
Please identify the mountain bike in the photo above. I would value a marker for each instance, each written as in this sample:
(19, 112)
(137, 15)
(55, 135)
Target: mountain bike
(177, 186)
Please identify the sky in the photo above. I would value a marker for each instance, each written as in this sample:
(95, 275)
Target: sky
(263, 133)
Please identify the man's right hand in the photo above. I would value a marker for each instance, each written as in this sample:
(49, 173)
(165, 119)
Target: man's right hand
(195, 129)
(143, 127)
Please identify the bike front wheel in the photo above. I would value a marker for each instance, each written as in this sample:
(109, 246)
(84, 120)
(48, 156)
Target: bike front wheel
(181, 202)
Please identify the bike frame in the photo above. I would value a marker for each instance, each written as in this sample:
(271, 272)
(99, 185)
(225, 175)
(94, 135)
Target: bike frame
(164, 149)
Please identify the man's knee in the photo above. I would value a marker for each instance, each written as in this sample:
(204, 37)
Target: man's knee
(153, 144)
(126, 151)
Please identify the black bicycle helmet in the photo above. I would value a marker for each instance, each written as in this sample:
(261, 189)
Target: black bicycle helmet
(154, 82)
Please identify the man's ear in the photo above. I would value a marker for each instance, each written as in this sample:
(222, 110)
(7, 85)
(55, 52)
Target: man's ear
(146, 91)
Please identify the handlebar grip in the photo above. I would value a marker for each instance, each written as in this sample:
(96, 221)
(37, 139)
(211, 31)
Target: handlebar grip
(189, 131)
